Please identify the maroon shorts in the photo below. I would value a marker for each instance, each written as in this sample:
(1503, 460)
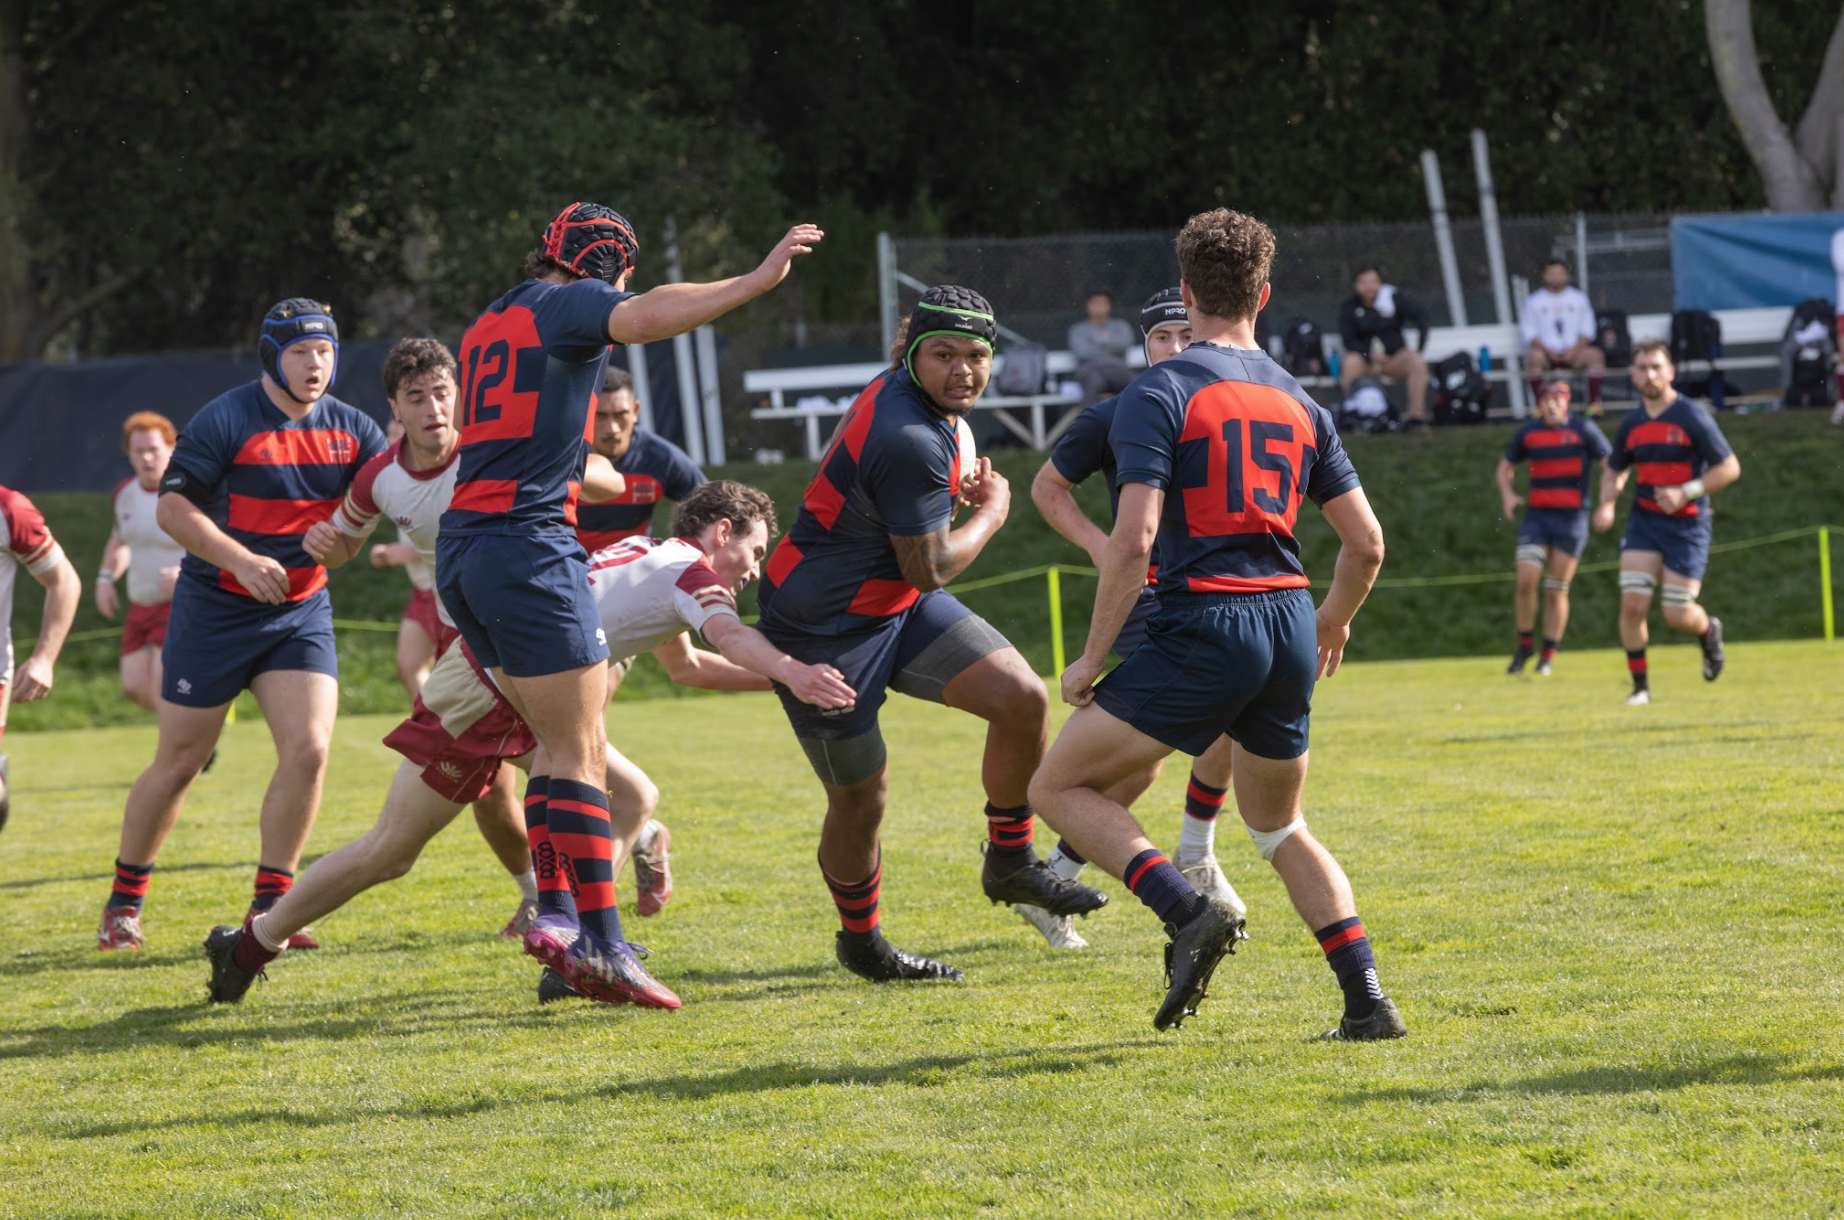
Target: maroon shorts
(146, 626)
(423, 612)
(461, 729)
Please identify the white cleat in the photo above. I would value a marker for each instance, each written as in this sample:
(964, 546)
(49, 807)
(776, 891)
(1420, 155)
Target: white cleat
(1638, 698)
(1207, 875)
(1059, 930)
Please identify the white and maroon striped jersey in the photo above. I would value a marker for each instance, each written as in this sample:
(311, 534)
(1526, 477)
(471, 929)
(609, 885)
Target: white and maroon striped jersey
(149, 547)
(24, 542)
(651, 589)
(414, 499)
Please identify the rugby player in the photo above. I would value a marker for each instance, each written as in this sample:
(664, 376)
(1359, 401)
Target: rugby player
(421, 625)
(1681, 458)
(1215, 448)
(1080, 452)
(25, 542)
(857, 583)
(141, 550)
(1561, 447)
(510, 570)
(649, 594)
(252, 472)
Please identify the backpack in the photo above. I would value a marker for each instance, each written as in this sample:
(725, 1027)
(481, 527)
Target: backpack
(1613, 338)
(1025, 368)
(1811, 310)
(1695, 335)
(1461, 392)
(1303, 349)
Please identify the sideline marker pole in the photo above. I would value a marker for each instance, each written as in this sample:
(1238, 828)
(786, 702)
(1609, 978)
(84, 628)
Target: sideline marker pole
(1053, 578)
(1824, 581)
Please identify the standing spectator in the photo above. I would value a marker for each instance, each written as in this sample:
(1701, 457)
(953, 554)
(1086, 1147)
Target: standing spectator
(1559, 333)
(1100, 343)
(141, 550)
(1373, 318)
(24, 540)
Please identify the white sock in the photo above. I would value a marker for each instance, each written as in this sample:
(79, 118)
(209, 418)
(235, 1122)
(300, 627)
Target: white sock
(528, 884)
(262, 934)
(1063, 866)
(1198, 838)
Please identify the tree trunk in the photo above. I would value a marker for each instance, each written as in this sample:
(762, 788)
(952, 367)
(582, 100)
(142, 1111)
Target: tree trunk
(1817, 134)
(18, 309)
(1791, 181)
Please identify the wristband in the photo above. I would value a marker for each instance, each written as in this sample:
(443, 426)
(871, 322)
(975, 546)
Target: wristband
(1693, 490)
(104, 577)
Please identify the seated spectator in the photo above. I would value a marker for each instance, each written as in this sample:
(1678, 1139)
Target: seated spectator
(1371, 323)
(1559, 333)
(1100, 343)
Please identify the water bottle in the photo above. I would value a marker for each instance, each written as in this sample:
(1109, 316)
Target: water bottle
(1331, 363)
(1485, 358)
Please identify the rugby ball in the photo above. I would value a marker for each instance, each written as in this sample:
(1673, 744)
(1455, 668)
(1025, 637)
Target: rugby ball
(969, 456)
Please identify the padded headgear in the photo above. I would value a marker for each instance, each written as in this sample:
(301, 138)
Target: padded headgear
(947, 309)
(1554, 386)
(289, 322)
(593, 241)
(1165, 305)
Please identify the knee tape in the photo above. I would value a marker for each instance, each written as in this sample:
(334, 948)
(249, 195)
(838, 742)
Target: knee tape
(1642, 583)
(1530, 552)
(1266, 841)
(1678, 595)
(1555, 584)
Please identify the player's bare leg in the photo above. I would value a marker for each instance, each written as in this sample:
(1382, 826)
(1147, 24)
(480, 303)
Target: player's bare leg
(187, 737)
(1556, 579)
(140, 671)
(1530, 560)
(415, 656)
(1679, 600)
(1639, 573)
(1408, 367)
(1268, 793)
(300, 707)
(851, 859)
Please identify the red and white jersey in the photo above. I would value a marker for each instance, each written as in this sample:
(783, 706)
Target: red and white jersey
(149, 547)
(651, 589)
(1558, 319)
(24, 541)
(414, 499)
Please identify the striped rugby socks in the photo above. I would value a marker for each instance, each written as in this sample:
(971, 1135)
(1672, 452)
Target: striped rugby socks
(1347, 952)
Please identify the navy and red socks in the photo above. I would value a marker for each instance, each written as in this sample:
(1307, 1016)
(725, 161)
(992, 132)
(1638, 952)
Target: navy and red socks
(271, 884)
(130, 888)
(556, 892)
(857, 901)
(576, 820)
(1197, 834)
(1548, 652)
(1636, 665)
(1347, 952)
(1008, 834)
(1156, 881)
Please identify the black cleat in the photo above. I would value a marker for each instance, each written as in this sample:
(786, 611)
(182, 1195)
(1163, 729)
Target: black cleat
(228, 981)
(872, 957)
(1192, 957)
(553, 986)
(1034, 884)
(1384, 1023)
(1518, 659)
(1711, 644)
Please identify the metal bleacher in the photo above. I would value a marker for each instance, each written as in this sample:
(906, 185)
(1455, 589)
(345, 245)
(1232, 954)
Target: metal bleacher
(827, 389)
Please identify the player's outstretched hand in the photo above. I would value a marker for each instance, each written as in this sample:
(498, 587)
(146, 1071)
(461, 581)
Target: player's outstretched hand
(1513, 502)
(1079, 682)
(33, 680)
(1332, 640)
(265, 578)
(799, 240)
(990, 491)
(108, 600)
(1603, 517)
(320, 539)
(822, 686)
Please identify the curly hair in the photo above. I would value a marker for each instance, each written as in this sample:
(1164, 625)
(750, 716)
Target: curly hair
(721, 500)
(148, 421)
(1224, 256)
(413, 358)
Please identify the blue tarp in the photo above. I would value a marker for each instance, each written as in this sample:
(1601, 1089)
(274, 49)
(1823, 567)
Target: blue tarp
(1750, 262)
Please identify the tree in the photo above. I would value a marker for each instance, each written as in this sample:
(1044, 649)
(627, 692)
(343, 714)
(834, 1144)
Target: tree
(1800, 168)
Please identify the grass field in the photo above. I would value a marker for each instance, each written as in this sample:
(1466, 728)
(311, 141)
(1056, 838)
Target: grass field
(1613, 932)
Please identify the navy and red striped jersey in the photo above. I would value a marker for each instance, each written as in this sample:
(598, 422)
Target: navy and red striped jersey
(892, 468)
(530, 367)
(654, 469)
(1083, 450)
(1560, 460)
(1234, 443)
(1674, 446)
(272, 477)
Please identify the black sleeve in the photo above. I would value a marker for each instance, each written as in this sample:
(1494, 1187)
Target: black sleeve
(1409, 312)
(1347, 328)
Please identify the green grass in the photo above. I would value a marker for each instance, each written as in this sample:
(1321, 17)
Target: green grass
(1613, 932)
(1433, 493)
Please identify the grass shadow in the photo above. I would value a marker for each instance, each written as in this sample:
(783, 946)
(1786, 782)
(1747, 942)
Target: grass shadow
(28, 883)
(1747, 1070)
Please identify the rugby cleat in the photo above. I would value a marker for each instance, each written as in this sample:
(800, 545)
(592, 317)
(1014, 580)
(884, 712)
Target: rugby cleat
(521, 921)
(870, 956)
(1059, 930)
(1034, 883)
(1638, 698)
(549, 939)
(120, 929)
(228, 982)
(610, 972)
(1206, 875)
(1384, 1023)
(1192, 957)
(1543, 669)
(1711, 643)
(553, 987)
(653, 868)
(1518, 659)
(304, 939)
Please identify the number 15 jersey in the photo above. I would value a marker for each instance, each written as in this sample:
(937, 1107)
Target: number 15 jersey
(1234, 443)
(530, 367)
